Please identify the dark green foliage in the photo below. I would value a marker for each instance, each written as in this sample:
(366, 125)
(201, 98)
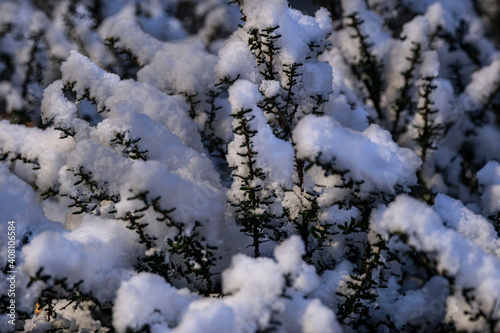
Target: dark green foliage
(72, 95)
(314, 234)
(248, 211)
(70, 19)
(240, 5)
(134, 220)
(57, 289)
(130, 146)
(290, 109)
(356, 308)
(128, 61)
(367, 68)
(319, 102)
(404, 101)
(457, 41)
(90, 194)
(429, 131)
(192, 102)
(190, 254)
(395, 14)
(84, 204)
(211, 141)
(263, 45)
(30, 89)
(19, 157)
(496, 222)
(456, 77)
(284, 107)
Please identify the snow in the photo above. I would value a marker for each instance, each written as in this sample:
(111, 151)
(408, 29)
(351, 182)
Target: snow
(472, 226)
(78, 319)
(318, 318)
(92, 157)
(339, 109)
(296, 31)
(207, 315)
(147, 298)
(234, 57)
(263, 279)
(61, 112)
(193, 201)
(316, 77)
(275, 156)
(430, 64)
(455, 255)
(180, 68)
(324, 20)
(95, 171)
(438, 16)
(270, 88)
(100, 260)
(18, 203)
(31, 142)
(243, 95)
(289, 257)
(130, 36)
(112, 93)
(370, 156)
(417, 31)
(253, 289)
(331, 281)
(264, 14)
(489, 180)
(483, 84)
(416, 307)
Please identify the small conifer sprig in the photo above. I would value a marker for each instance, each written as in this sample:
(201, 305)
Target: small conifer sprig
(188, 246)
(429, 131)
(457, 41)
(308, 224)
(263, 45)
(33, 77)
(214, 144)
(58, 290)
(368, 68)
(290, 108)
(192, 102)
(128, 61)
(404, 102)
(252, 213)
(495, 219)
(356, 309)
(13, 157)
(70, 20)
(320, 101)
(90, 193)
(130, 146)
(69, 91)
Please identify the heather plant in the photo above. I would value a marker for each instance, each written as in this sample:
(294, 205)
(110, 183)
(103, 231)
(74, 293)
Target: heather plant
(205, 166)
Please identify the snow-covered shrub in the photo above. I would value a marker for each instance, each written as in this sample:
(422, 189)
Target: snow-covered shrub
(204, 166)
